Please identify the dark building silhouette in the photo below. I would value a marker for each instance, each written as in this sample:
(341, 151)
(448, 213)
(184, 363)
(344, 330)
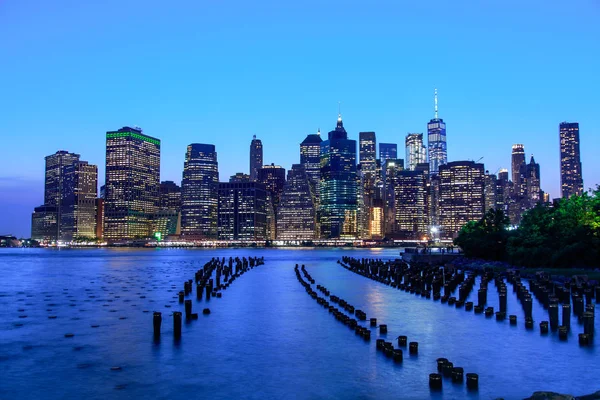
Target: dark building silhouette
(273, 177)
(199, 192)
(239, 177)
(387, 151)
(571, 180)
(170, 196)
(256, 157)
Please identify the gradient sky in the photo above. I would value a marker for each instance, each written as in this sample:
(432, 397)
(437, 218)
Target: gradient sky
(220, 71)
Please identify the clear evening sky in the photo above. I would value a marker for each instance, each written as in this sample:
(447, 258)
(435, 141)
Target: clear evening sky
(220, 71)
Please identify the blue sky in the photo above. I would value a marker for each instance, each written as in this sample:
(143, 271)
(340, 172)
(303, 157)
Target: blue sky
(220, 71)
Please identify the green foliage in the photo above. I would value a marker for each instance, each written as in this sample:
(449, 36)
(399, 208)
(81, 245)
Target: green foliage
(565, 234)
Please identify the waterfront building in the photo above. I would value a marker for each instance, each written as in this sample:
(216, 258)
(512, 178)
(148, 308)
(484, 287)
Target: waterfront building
(410, 206)
(170, 196)
(436, 141)
(77, 215)
(273, 177)
(366, 181)
(239, 177)
(376, 219)
(296, 214)
(44, 223)
(242, 211)
(571, 180)
(199, 192)
(100, 218)
(416, 152)
(461, 191)
(387, 151)
(338, 188)
(132, 192)
(256, 157)
(166, 222)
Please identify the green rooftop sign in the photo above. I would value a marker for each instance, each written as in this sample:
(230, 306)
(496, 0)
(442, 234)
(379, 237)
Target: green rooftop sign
(113, 135)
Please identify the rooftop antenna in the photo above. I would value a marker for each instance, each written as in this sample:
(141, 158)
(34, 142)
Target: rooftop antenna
(319, 132)
(339, 110)
(435, 103)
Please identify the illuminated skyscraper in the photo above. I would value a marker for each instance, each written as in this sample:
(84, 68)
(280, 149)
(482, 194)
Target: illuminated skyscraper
(338, 189)
(571, 181)
(199, 192)
(367, 153)
(462, 186)
(78, 205)
(132, 192)
(387, 151)
(491, 191)
(391, 168)
(242, 211)
(366, 184)
(436, 141)
(534, 191)
(256, 157)
(310, 157)
(416, 153)
(517, 167)
(410, 207)
(296, 214)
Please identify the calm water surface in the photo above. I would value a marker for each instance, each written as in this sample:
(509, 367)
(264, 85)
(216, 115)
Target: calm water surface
(265, 339)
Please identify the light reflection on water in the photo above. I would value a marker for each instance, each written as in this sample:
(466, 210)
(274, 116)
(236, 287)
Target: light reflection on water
(264, 339)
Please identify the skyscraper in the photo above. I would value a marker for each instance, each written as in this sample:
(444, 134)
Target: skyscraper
(517, 164)
(416, 153)
(310, 157)
(571, 181)
(78, 204)
(296, 214)
(199, 192)
(367, 153)
(436, 141)
(366, 183)
(410, 207)
(534, 191)
(242, 211)
(461, 195)
(387, 151)
(132, 190)
(391, 168)
(338, 201)
(273, 177)
(170, 196)
(256, 157)
(239, 177)
(491, 191)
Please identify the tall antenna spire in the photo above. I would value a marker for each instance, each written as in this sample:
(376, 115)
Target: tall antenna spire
(339, 110)
(435, 103)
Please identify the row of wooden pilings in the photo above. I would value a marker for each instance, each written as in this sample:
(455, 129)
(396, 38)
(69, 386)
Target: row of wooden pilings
(229, 271)
(428, 282)
(386, 347)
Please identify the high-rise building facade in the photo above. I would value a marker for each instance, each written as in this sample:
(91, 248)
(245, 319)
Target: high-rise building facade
(199, 192)
(170, 196)
(296, 214)
(310, 157)
(387, 151)
(239, 177)
(533, 187)
(44, 224)
(78, 204)
(571, 179)
(366, 182)
(256, 157)
(273, 177)
(391, 168)
(338, 188)
(416, 152)
(410, 206)
(242, 211)
(132, 190)
(517, 168)
(491, 191)
(462, 199)
(367, 151)
(436, 141)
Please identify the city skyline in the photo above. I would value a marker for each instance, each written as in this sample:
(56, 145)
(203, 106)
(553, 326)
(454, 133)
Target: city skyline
(489, 102)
